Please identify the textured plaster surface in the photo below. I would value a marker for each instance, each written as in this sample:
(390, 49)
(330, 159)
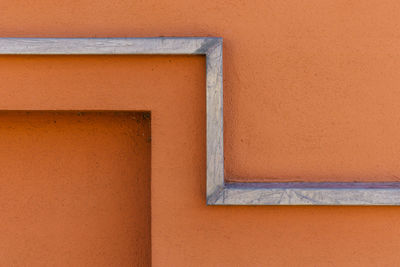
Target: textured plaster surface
(75, 189)
(310, 94)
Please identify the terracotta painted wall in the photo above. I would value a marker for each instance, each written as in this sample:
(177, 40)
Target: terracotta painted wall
(75, 189)
(311, 93)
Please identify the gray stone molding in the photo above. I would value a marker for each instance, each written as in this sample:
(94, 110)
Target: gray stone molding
(218, 192)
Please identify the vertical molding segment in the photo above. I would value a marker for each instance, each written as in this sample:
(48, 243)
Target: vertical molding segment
(215, 132)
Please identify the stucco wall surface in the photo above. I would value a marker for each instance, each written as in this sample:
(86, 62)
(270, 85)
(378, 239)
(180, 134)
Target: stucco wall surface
(75, 189)
(311, 93)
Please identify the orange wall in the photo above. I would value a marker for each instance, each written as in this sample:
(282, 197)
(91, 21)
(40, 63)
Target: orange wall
(75, 189)
(311, 93)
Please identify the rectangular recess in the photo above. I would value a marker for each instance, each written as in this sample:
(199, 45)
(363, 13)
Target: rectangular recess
(218, 192)
(78, 184)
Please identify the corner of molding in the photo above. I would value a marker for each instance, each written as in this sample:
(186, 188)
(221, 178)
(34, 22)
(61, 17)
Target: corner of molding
(216, 44)
(215, 197)
(209, 45)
